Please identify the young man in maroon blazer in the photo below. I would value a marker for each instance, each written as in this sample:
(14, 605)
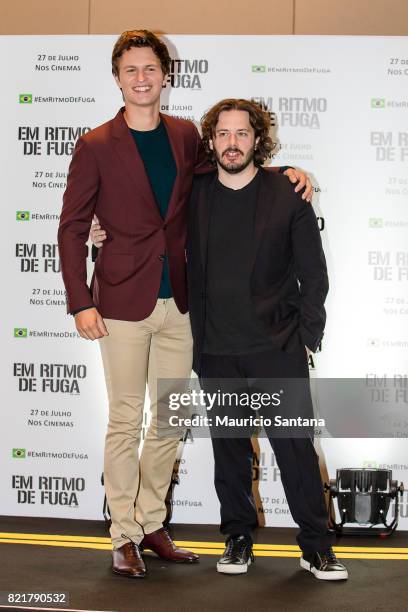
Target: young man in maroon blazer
(135, 173)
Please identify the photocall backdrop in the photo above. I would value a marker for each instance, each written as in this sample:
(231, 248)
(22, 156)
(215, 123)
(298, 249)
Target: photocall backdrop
(338, 108)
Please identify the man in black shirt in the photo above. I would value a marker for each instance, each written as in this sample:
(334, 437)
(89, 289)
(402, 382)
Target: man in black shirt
(257, 284)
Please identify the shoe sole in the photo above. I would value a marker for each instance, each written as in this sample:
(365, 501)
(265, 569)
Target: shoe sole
(149, 550)
(224, 568)
(340, 575)
(169, 560)
(127, 575)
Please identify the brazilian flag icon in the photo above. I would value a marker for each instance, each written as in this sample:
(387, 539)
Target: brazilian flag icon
(20, 332)
(22, 215)
(25, 98)
(258, 68)
(377, 102)
(375, 222)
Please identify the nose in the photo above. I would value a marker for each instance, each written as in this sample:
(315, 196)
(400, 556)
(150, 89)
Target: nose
(232, 140)
(140, 75)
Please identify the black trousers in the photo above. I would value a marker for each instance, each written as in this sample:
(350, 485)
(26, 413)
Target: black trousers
(296, 457)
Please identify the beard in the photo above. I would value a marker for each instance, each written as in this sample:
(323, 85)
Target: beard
(233, 167)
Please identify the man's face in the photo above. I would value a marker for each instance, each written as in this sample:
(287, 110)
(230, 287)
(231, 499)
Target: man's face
(234, 141)
(140, 76)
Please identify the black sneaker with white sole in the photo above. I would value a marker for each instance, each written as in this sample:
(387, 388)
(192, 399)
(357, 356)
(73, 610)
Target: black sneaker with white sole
(324, 565)
(237, 556)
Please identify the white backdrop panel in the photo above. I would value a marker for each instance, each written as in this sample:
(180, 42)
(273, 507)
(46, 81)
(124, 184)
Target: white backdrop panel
(339, 110)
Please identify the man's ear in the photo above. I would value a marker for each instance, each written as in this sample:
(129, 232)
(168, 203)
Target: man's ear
(257, 142)
(210, 144)
(117, 81)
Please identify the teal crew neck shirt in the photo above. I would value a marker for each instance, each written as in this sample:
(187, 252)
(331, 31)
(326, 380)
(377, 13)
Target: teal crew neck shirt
(158, 159)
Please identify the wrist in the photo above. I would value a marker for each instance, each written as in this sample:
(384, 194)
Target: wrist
(78, 310)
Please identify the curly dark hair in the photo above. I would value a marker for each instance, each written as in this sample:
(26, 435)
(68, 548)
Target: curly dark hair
(258, 118)
(140, 38)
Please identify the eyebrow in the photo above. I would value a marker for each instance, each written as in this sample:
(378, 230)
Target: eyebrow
(228, 130)
(144, 66)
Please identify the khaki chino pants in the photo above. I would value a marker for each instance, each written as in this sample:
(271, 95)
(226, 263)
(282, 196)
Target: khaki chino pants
(134, 353)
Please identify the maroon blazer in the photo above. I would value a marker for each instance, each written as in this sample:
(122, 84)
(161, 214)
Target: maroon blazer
(107, 177)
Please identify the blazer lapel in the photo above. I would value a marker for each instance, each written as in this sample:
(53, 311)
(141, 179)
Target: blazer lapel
(132, 162)
(205, 203)
(176, 144)
(264, 207)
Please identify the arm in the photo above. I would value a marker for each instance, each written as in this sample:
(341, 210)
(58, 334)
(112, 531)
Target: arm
(202, 165)
(303, 182)
(296, 176)
(77, 212)
(97, 236)
(311, 272)
(76, 216)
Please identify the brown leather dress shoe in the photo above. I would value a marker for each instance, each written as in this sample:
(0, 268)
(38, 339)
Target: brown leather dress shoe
(161, 543)
(127, 561)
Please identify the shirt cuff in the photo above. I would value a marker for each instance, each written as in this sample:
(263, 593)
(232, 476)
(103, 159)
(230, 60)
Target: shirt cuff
(94, 253)
(74, 312)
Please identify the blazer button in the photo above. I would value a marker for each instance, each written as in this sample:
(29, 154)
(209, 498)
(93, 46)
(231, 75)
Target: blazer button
(162, 257)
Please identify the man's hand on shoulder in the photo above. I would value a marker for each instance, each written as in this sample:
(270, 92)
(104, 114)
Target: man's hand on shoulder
(90, 324)
(303, 182)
